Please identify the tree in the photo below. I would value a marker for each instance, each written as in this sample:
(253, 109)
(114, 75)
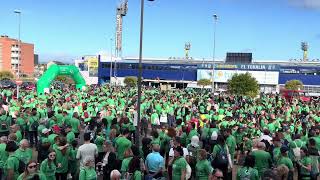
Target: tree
(293, 85)
(130, 81)
(6, 75)
(204, 82)
(65, 79)
(243, 85)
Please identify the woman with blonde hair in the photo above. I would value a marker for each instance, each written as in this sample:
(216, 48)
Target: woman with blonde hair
(31, 172)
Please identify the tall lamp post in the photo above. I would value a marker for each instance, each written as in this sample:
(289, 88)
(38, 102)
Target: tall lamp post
(140, 74)
(215, 18)
(111, 42)
(19, 50)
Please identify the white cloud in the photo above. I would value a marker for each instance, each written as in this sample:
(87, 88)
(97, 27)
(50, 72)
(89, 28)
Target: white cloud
(308, 4)
(58, 56)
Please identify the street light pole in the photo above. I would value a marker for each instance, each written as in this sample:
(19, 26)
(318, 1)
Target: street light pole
(137, 141)
(215, 17)
(20, 49)
(111, 42)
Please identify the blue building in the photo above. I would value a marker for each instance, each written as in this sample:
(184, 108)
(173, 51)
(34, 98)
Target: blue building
(179, 73)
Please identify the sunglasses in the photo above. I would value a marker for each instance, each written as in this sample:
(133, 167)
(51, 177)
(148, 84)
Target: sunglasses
(52, 155)
(219, 177)
(31, 167)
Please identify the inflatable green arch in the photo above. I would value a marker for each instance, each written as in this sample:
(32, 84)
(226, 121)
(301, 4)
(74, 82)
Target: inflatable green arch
(54, 70)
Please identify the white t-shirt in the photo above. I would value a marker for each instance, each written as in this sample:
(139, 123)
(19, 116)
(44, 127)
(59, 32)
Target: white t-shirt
(87, 150)
(185, 152)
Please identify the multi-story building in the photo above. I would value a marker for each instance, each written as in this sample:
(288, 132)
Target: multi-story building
(9, 56)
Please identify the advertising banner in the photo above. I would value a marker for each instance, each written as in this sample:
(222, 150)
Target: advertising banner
(222, 76)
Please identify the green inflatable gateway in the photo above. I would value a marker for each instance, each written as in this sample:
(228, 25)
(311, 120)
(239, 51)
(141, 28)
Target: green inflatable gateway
(55, 70)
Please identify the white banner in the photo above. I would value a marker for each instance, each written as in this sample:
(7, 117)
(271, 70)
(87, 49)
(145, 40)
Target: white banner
(263, 77)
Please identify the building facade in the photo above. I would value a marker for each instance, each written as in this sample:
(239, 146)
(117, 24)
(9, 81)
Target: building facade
(9, 56)
(271, 76)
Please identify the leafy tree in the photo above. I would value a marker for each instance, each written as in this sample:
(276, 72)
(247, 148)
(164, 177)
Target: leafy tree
(204, 82)
(65, 79)
(293, 85)
(130, 81)
(244, 85)
(6, 75)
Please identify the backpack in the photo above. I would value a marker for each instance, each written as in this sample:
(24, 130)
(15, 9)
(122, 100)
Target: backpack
(296, 151)
(214, 135)
(245, 174)
(193, 154)
(221, 161)
(21, 165)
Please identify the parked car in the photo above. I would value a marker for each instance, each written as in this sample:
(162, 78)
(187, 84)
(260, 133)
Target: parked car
(7, 84)
(28, 85)
(295, 94)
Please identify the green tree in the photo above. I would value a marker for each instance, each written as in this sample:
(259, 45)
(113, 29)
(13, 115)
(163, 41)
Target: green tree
(64, 79)
(243, 84)
(293, 85)
(6, 75)
(203, 82)
(130, 81)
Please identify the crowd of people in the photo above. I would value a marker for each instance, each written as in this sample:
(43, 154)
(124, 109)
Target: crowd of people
(184, 134)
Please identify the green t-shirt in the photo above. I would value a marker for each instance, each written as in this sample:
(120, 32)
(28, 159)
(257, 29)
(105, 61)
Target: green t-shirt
(12, 163)
(70, 137)
(48, 170)
(245, 172)
(88, 174)
(99, 142)
(75, 123)
(122, 144)
(285, 161)
(4, 123)
(231, 142)
(3, 155)
(125, 164)
(24, 155)
(62, 158)
(262, 160)
(178, 166)
(305, 161)
(30, 176)
(137, 175)
(203, 170)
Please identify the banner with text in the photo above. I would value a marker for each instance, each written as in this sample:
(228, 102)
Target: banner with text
(263, 77)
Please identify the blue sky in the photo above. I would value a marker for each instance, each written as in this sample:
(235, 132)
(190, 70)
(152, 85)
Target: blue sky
(270, 29)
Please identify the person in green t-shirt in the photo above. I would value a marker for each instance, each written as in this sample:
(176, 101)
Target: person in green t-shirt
(305, 164)
(88, 172)
(48, 166)
(12, 163)
(285, 160)
(122, 144)
(247, 171)
(203, 167)
(263, 159)
(3, 153)
(31, 172)
(4, 123)
(179, 164)
(134, 169)
(125, 162)
(24, 153)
